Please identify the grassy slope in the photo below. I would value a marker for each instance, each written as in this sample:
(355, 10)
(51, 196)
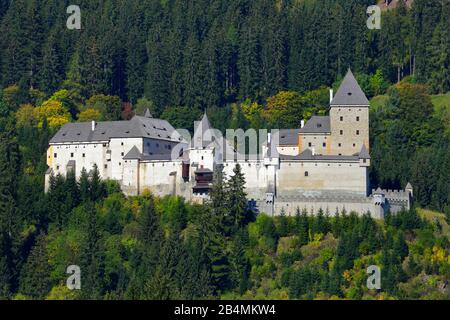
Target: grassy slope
(440, 101)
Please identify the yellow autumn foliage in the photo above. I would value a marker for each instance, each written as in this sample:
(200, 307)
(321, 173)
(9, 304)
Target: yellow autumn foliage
(54, 112)
(438, 255)
(25, 116)
(89, 115)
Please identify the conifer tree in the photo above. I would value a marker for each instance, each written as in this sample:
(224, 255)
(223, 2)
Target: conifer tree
(92, 260)
(35, 274)
(237, 199)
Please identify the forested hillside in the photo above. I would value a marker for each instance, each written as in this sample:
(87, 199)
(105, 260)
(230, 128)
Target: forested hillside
(248, 63)
(207, 53)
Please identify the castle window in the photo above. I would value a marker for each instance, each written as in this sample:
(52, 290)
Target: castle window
(357, 118)
(120, 163)
(364, 160)
(309, 144)
(106, 166)
(121, 143)
(357, 132)
(84, 155)
(342, 118)
(306, 174)
(55, 155)
(202, 157)
(57, 167)
(340, 145)
(324, 145)
(354, 145)
(122, 154)
(71, 155)
(341, 132)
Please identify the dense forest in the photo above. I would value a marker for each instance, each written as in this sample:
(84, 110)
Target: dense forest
(248, 63)
(207, 53)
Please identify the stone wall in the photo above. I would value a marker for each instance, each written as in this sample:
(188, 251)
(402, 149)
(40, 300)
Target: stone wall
(349, 142)
(307, 175)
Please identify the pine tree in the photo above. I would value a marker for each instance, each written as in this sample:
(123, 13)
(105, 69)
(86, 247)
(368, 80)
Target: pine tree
(35, 275)
(439, 51)
(145, 260)
(84, 186)
(51, 73)
(6, 265)
(97, 187)
(237, 199)
(92, 260)
(9, 166)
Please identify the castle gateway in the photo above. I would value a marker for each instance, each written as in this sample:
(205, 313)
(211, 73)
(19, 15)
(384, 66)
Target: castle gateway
(321, 165)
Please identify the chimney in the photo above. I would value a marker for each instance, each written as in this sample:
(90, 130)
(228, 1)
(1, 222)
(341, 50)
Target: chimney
(331, 95)
(93, 125)
(302, 123)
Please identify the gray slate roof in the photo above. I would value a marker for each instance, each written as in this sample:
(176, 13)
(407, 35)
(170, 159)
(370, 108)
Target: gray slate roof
(364, 153)
(137, 127)
(308, 156)
(289, 137)
(317, 124)
(134, 154)
(199, 139)
(350, 93)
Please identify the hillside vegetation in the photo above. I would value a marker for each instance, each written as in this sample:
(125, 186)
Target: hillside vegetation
(260, 64)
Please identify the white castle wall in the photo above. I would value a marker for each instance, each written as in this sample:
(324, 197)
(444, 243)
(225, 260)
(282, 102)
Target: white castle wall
(339, 176)
(119, 148)
(256, 176)
(85, 155)
(329, 207)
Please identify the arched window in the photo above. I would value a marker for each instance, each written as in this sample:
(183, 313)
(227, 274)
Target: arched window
(306, 174)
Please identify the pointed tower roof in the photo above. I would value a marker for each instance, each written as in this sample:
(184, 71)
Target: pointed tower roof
(350, 93)
(364, 153)
(148, 114)
(408, 186)
(200, 140)
(133, 154)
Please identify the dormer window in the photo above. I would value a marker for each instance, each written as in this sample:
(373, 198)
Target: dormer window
(319, 125)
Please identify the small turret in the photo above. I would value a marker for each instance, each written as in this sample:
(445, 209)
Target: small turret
(148, 114)
(364, 157)
(409, 189)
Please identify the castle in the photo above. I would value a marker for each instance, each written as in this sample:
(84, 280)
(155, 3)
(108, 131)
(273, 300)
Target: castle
(321, 165)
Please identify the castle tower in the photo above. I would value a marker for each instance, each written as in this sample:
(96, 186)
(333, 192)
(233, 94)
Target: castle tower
(202, 146)
(349, 118)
